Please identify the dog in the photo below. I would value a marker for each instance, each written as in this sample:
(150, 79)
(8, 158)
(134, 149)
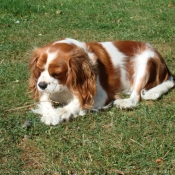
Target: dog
(85, 76)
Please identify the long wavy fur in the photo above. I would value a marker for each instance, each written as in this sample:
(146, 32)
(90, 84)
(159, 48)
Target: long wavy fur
(81, 78)
(34, 73)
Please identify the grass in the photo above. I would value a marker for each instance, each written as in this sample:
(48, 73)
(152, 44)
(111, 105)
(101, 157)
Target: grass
(109, 142)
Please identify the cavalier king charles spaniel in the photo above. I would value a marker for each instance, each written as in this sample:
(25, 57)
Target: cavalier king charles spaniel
(84, 76)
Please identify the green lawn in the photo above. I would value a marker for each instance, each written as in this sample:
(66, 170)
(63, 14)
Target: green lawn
(131, 142)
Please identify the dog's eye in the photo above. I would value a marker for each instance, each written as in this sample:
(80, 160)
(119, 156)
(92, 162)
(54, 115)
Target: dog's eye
(56, 75)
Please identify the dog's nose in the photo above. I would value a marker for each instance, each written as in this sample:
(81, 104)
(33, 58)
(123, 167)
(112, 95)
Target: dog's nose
(42, 85)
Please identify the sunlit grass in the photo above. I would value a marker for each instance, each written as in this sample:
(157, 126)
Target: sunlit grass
(138, 141)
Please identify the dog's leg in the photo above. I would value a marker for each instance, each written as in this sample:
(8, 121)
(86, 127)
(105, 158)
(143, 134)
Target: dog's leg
(139, 84)
(156, 92)
(129, 102)
(47, 111)
(71, 110)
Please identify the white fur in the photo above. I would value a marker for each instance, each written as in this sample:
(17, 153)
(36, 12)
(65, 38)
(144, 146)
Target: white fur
(49, 115)
(50, 58)
(72, 109)
(53, 116)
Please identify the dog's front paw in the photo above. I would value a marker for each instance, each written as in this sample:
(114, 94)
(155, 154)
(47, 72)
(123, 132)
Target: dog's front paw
(51, 118)
(125, 103)
(64, 114)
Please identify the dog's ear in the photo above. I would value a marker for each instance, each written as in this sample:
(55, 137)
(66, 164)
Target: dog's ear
(81, 78)
(34, 73)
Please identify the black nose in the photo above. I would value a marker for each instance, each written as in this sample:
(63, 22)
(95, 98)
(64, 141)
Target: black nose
(42, 85)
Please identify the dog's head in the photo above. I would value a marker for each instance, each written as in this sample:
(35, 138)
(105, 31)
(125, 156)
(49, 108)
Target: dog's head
(63, 64)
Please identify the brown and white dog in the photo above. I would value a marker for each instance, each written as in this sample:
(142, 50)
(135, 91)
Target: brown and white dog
(86, 76)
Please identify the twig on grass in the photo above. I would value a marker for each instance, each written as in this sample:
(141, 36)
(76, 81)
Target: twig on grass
(22, 107)
(19, 108)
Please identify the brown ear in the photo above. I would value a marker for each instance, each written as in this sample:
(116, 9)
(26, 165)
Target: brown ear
(34, 73)
(81, 78)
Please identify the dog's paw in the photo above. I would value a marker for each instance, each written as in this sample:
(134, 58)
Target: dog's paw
(64, 114)
(149, 95)
(124, 103)
(51, 118)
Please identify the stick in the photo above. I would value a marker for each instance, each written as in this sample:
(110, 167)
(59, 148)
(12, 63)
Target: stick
(15, 109)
